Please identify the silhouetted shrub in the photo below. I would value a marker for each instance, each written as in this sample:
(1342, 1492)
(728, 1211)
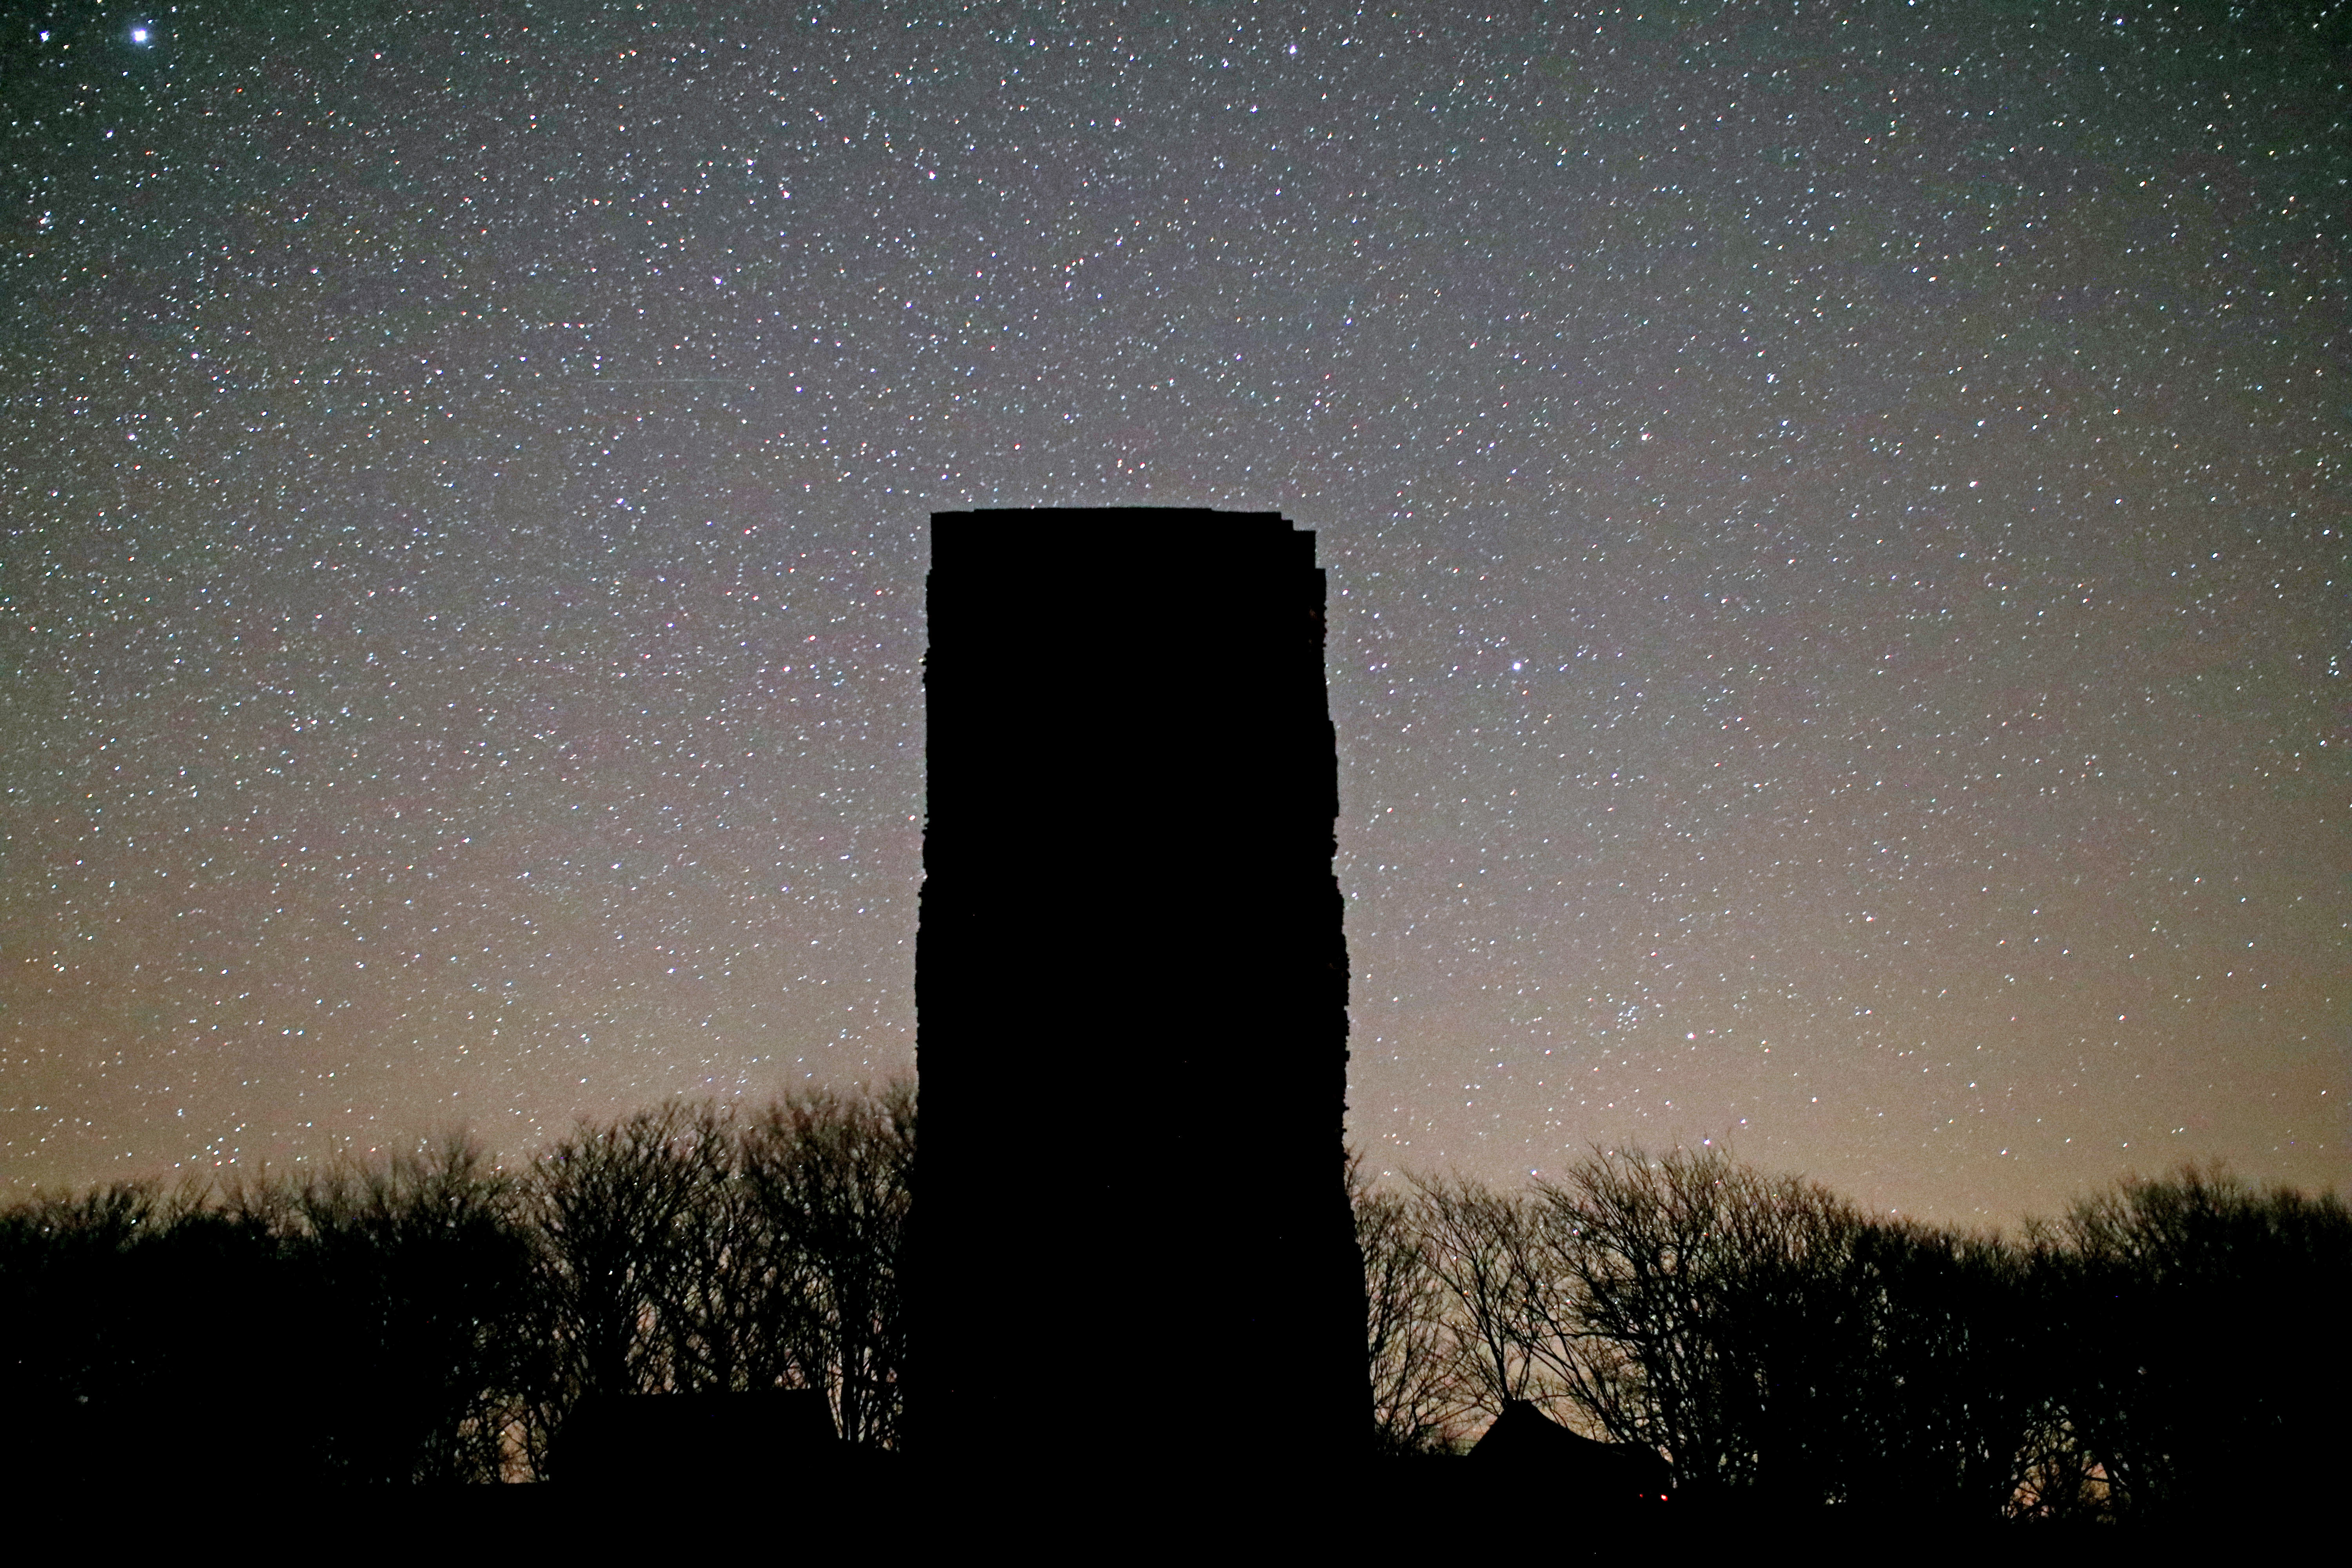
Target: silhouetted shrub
(418, 1276)
(362, 1326)
(2202, 1367)
(428, 1318)
(130, 1319)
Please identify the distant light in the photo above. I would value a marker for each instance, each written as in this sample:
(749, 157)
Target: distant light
(138, 35)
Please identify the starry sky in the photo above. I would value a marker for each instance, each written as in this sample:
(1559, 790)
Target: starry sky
(1835, 518)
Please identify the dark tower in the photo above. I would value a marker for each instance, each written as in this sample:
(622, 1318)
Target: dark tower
(1133, 1245)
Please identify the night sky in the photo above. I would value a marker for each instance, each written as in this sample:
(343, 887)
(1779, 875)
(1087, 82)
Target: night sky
(1835, 518)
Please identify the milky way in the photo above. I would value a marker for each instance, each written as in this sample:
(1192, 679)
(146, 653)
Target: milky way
(1835, 518)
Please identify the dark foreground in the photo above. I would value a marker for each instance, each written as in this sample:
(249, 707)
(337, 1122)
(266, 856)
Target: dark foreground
(1399, 1510)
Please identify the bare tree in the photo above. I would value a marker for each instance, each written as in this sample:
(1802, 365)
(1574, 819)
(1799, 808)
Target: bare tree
(1779, 1343)
(833, 1176)
(1681, 1303)
(1943, 1405)
(689, 1249)
(1415, 1407)
(613, 1206)
(1478, 1243)
(720, 1313)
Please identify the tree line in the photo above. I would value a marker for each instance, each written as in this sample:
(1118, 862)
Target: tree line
(2168, 1348)
(431, 1317)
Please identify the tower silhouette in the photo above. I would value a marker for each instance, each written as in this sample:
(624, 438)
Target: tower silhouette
(1132, 1242)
